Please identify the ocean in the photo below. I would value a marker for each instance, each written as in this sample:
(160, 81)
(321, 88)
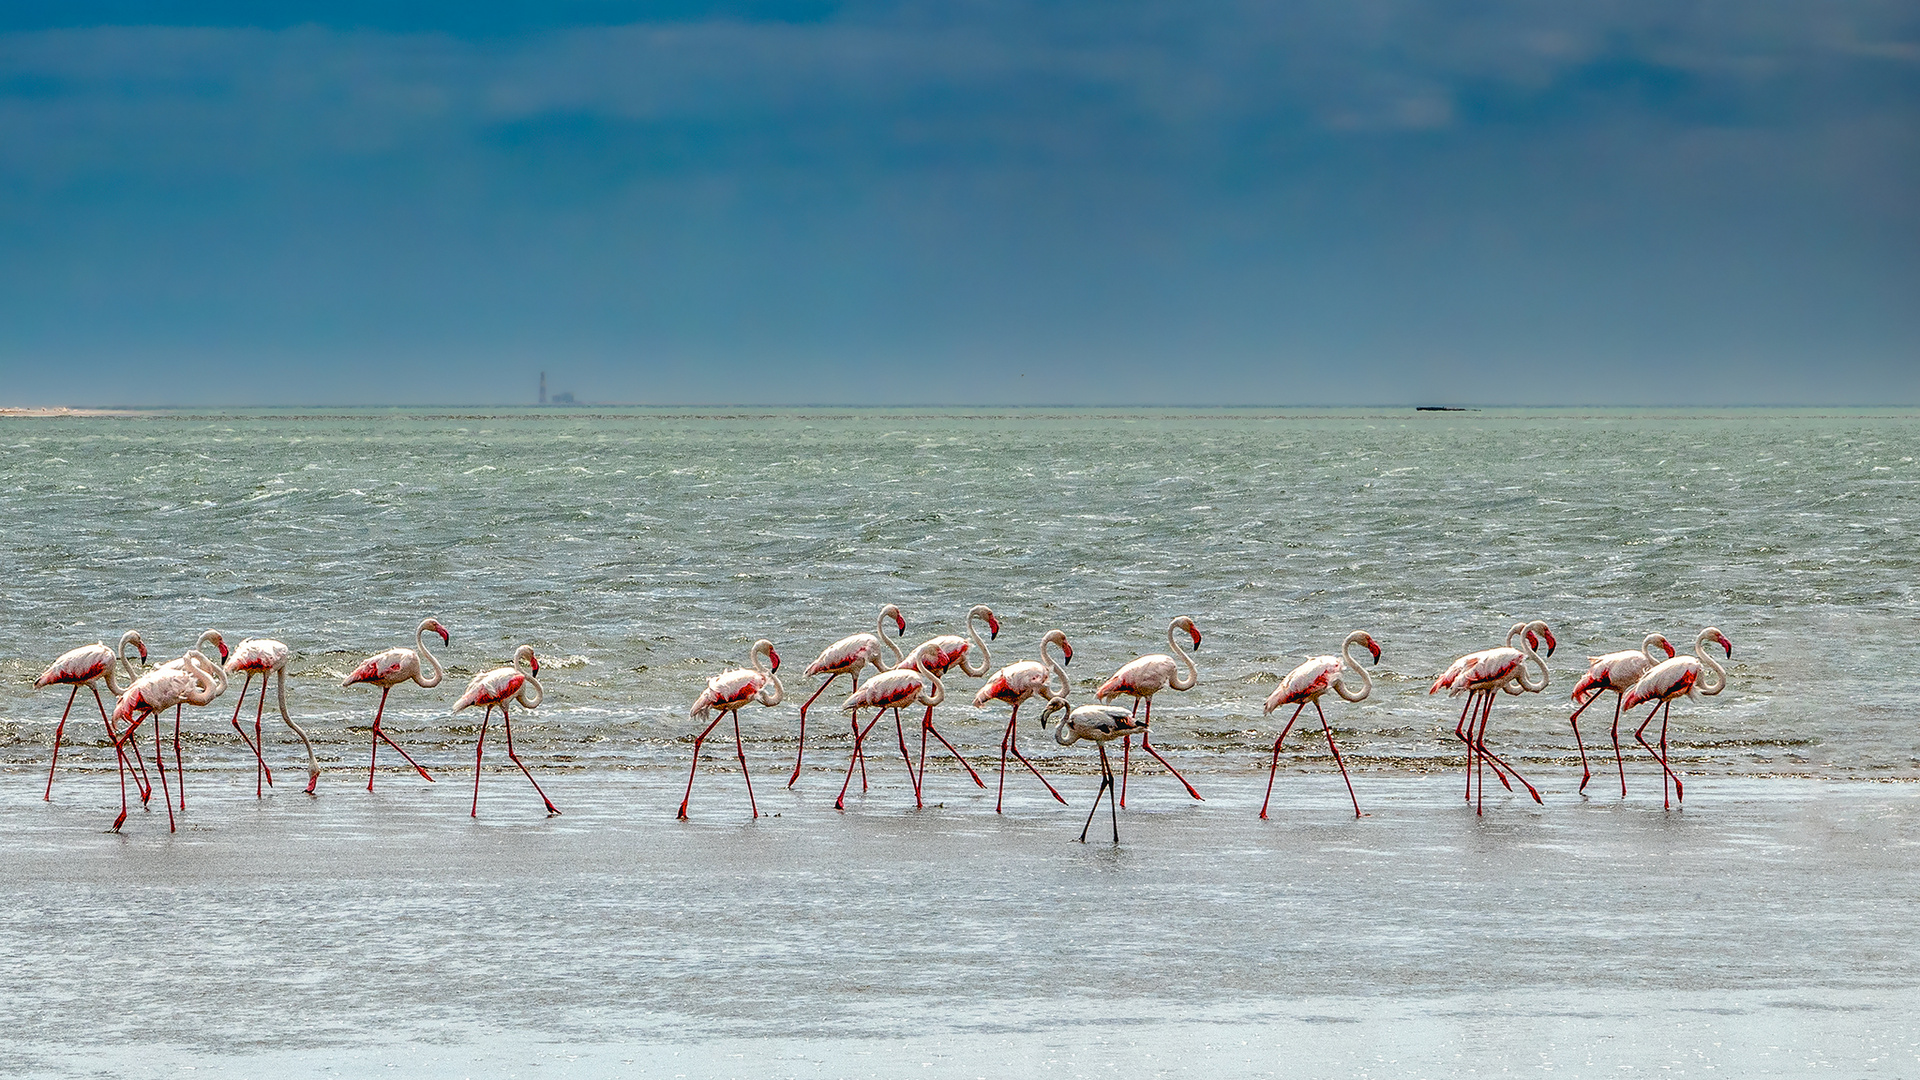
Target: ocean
(639, 550)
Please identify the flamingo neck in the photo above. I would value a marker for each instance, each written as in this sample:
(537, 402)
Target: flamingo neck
(1708, 662)
(935, 691)
(539, 692)
(772, 693)
(280, 694)
(1052, 668)
(126, 639)
(1528, 654)
(1647, 644)
(973, 638)
(1366, 681)
(892, 646)
(420, 648)
(1193, 672)
(1064, 733)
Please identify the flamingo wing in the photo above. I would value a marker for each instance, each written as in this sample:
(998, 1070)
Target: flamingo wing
(1309, 680)
(1142, 677)
(81, 665)
(1669, 679)
(387, 668)
(847, 654)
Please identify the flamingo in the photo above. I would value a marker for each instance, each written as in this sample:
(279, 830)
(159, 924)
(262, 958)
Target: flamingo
(1480, 676)
(1014, 684)
(1099, 724)
(194, 681)
(266, 657)
(938, 656)
(1142, 678)
(87, 666)
(1616, 671)
(896, 688)
(847, 657)
(729, 692)
(501, 686)
(389, 669)
(1671, 679)
(207, 638)
(1305, 685)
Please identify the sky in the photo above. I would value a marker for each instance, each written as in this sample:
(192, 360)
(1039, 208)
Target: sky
(997, 203)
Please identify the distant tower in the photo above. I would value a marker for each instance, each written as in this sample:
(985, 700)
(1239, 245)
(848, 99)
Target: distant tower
(543, 388)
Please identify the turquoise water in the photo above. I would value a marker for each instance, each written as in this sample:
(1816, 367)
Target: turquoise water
(639, 550)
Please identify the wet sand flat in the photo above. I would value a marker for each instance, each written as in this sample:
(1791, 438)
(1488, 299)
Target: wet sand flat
(1765, 930)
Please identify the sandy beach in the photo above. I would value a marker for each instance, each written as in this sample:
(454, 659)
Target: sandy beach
(1762, 931)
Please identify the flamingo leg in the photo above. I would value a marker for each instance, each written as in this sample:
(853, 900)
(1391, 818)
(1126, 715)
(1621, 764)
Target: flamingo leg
(1478, 727)
(1618, 761)
(801, 744)
(1147, 734)
(926, 726)
(1499, 762)
(859, 754)
(859, 736)
(179, 773)
(900, 730)
(1126, 748)
(1005, 738)
(119, 747)
(1585, 772)
(1106, 781)
(697, 741)
(1275, 767)
(1679, 790)
(160, 762)
(373, 740)
(1460, 732)
(240, 702)
(479, 749)
(57, 732)
(740, 748)
(380, 736)
(506, 721)
(260, 741)
(1014, 743)
(1335, 747)
(1666, 773)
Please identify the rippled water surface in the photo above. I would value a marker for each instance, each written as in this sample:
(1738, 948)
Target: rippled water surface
(640, 550)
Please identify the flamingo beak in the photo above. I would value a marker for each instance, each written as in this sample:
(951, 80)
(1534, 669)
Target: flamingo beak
(143, 652)
(1669, 647)
(1551, 644)
(1196, 636)
(223, 651)
(993, 628)
(444, 636)
(900, 621)
(535, 665)
(1728, 645)
(775, 657)
(1069, 651)
(1375, 649)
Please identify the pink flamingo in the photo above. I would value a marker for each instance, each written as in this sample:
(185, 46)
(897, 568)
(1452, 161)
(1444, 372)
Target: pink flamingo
(195, 681)
(849, 656)
(896, 688)
(1014, 684)
(1480, 676)
(87, 666)
(207, 638)
(729, 692)
(1100, 725)
(1305, 685)
(1142, 678)
(1616, 671)
(1673, 678)
(938, 656)
(266, 658)
(502, 686)
(389, 669)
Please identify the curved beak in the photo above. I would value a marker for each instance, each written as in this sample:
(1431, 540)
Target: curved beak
(1375, 649)
(993, 628)
(775, 657)
(900, 621)
(1068, 649)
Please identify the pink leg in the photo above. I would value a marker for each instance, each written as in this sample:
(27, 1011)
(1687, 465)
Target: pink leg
(1460, 732)
(801, 743)
(1335, 747)
(1478, 728)
(859, 754)
(697, 741)
(57, 732)
(927, 726)
(1106, 785)
(160, 762)
(506, 721)
(1499, 762)
(239, 702)
(261, 768)
(1148, 747)
(381, 735)
(1585, 772)
(900, 730)
(859, 736)
(1126, 748)
(1005, 738)
(373, 740)
(1618, 761)
(740, 749)
(1666, 773)
(179, 773)
(479, 750)
(138, 763)
(1275, 767)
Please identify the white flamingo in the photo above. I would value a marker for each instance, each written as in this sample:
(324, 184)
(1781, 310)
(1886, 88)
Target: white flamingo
(390, 668)
(1100, 725)
(895, 688)
(1616, 671)
(938, 656)
(1144, 677)
(1014, 684)
(501, 687)
(208, 638)
(1305, 685)
(192, 680)
(1481, 676)
(87, 666)
(849, 656)
(267, 658)
(1680, 676)
(728, 693)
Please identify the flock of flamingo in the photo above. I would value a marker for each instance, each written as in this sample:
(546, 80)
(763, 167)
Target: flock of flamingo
(910, 679)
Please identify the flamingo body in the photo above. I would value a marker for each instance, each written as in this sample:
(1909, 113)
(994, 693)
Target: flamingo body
(499, 688)
(1669, 679)
(729, 692)
(389, 668)
(1614, 671)
(80, 666)
(1305, 685)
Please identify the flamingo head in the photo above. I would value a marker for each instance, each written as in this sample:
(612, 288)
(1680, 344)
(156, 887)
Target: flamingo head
(1713, 634)
(1054, 705)
(219, 643)
(899, 620)
(133, 639)
(982, 611)
(1664, 643)
(1186, 624)
(1364, 638)
(525, 652)
(434, 625)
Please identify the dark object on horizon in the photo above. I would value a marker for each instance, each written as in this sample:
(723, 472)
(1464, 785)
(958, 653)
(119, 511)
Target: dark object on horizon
(1439, 408)
(564, 397)
(543, 388)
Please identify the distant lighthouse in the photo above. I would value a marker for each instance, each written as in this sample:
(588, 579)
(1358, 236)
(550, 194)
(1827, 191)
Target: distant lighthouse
(543, 388)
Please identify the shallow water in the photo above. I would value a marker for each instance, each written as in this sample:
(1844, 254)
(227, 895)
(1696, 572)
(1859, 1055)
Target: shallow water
(640, 550)
(1762, 931)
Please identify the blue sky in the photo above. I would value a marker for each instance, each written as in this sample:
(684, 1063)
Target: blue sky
(995, 202)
